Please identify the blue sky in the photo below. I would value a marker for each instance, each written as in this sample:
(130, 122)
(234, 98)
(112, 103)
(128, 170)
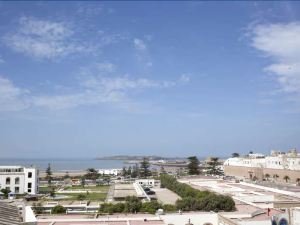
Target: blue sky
(86, 79)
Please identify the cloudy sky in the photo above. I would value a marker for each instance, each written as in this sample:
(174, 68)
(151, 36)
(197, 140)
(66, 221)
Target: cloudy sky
(82, 79)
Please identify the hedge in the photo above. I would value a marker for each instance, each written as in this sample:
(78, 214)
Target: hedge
(193, 199)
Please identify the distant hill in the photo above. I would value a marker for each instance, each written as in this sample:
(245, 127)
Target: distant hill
(128, 157)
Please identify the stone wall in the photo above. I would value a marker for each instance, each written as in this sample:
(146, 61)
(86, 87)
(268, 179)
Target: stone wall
(259, 173)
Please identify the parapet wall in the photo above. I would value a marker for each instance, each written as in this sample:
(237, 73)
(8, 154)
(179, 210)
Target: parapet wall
(247, 172)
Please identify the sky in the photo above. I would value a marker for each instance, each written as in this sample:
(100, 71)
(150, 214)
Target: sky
(88, 79)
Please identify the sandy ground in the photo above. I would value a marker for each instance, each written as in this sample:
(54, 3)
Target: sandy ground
(61, 174)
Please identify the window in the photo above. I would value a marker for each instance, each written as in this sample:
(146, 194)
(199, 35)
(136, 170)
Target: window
(29, 190)
(17, 180)
(17, 190)
(29, 185)
(30, 175)
(8, 180)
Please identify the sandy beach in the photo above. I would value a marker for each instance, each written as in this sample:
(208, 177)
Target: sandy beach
(61, 174)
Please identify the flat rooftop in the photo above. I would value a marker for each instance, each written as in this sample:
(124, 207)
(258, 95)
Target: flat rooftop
(124, 190)
(116, 219)
(9, 214)
(261, 196)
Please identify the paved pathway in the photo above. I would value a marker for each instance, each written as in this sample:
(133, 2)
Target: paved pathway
(166, 196)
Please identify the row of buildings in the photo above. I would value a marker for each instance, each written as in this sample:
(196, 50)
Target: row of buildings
(279, 166)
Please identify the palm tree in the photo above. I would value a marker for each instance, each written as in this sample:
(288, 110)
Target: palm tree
(298, 181)
(275, 176)
(267, 176)
(286, 178)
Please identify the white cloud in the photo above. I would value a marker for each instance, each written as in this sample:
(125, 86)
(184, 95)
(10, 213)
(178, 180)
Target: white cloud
(106, 67)
(92, 90)
(12, 98)
(44, 39)
(281, 43)
(97, 89)
(184, 78)
(139, 44)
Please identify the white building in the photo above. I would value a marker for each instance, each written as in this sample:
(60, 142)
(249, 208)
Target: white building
(147, 182)
(19, 180)
(277, 160)
(279, 166)
(114, 172)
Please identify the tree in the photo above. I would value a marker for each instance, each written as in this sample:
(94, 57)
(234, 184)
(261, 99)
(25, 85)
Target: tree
(83, 182)
(52, 192)
(286, 178)
(5, 192)
(91, 174)
(129, 170)
(124, 171)
(107, 180)
(251, 152)
(58, 209)
(66, 176)
(144, 168)
(49, 174)
(275, 176)
(214, 166)
(135, 171)
(267, 176)
(193, 165)
(235, 155)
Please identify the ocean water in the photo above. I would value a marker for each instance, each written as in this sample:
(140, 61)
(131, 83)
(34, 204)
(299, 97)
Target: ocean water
(63, 164)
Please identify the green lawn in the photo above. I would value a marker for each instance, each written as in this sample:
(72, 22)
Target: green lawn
(45, 189)
(103, 188)
(90, 196)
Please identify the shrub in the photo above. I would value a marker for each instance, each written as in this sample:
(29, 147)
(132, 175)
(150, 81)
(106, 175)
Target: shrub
(132, 204)
(150, 207)
(38, 208)
(58, 209)
(119, 207)
(112, 208)
(106, 208)
(193, 199)
(80, 197)
(169, 208)
(5, 192)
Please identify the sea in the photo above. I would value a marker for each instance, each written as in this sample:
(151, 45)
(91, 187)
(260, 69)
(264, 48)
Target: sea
(64, 165)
